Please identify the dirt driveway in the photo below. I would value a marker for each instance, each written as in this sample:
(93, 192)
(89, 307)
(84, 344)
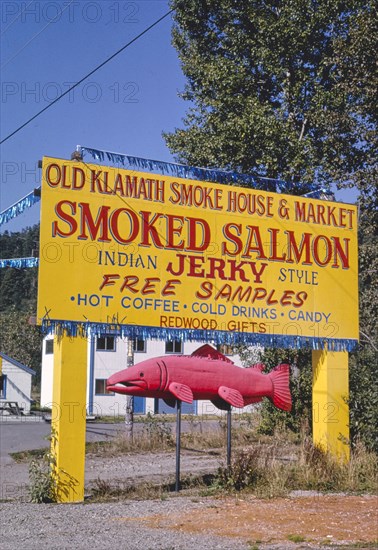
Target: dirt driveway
(318, 520)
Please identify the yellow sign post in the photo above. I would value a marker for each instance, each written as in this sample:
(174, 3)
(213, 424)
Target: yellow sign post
(68, 422)
(195, 260)
(330, 411)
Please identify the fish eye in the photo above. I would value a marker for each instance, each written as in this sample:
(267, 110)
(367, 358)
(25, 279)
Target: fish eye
(141, 374)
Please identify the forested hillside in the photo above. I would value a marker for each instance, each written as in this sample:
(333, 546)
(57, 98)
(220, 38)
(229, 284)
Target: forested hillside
(18, 287)
(18, 300)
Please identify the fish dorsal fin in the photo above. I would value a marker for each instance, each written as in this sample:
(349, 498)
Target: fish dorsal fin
(258, 366)
(209, 352)
(231, 396)
(181, 391)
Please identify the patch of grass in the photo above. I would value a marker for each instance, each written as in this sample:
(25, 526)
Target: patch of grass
(104, 491)
(296, 538)
(200, 441)
(260, 469)
(156, 435)
(319, 470)
(37, 408)
(25, 456)
(110, 419)
(46, 478)
(139, 418)
(42, 486)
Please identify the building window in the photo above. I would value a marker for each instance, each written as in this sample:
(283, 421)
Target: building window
(100, 387)
(49, 348)
(173, 347)
(105, 343)
(225, 349)
(139, 345)
(3, 386)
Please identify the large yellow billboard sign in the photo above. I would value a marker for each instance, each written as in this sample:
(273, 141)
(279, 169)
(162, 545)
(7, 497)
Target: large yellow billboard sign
(153, 255)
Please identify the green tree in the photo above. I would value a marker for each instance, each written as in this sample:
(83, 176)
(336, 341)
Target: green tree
(363, 399)
(355, 58)
(18, 300)
(18, 287)
(266, 90)
(288, 90)
(21, 340)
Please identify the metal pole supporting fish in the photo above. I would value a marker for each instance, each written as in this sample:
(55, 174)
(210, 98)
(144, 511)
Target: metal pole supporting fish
(178, 444)
(129, 415)
(229, 437)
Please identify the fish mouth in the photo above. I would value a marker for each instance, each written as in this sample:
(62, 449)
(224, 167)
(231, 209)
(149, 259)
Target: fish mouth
(121, 387)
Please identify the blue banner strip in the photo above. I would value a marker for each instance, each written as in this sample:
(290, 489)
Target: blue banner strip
(20, 263)
(18, 207)
(73, 328)
(206, 174)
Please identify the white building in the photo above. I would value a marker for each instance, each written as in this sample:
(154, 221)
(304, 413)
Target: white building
(108, 355)
(15, 383)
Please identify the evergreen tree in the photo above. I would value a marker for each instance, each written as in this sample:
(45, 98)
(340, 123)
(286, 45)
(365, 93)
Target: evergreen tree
(18, 300)
(18, 287)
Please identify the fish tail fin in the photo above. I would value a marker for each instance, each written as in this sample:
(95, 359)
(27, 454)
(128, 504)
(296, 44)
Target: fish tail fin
(281, 390)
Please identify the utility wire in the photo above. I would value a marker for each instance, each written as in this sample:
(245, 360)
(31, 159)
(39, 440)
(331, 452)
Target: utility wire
(87, 76)
(35, 36)
(17, 16)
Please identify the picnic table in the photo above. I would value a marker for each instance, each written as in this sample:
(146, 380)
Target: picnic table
(12, 407)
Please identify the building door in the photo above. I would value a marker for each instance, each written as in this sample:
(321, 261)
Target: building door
(139, 405)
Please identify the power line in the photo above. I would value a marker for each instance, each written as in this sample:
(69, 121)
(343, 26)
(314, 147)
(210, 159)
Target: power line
(87, 76)
(17, 16)
(35, 36)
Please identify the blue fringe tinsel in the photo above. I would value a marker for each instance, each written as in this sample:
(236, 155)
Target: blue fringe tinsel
(20, 263)
(73, 328)
(206, 174)
(18, 207)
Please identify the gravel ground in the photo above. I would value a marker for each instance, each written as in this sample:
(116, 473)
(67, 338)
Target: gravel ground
(103, 526)
(183, 523)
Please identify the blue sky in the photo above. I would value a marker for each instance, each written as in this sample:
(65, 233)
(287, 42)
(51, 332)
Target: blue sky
(124, 107)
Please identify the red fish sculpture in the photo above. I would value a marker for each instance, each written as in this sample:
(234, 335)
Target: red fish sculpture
(206, 374)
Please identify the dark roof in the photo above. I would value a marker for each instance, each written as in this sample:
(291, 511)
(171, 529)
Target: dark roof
(17, 363)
